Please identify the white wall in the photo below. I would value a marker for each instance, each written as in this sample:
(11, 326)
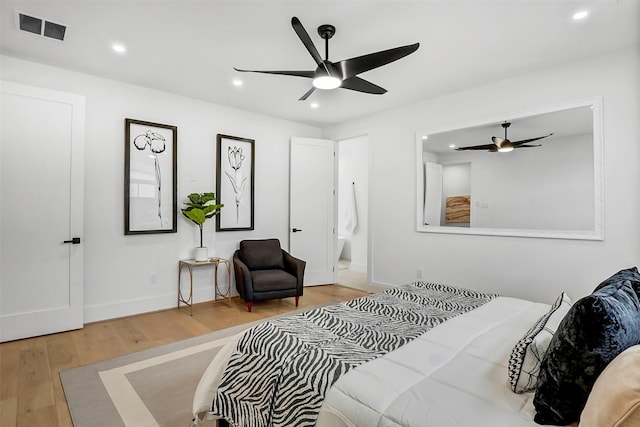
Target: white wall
(353, 176)
(534, 188)
(117, 267)
(536, 268)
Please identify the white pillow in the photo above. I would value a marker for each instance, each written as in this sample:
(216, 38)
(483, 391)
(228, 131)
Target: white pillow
(527, 355)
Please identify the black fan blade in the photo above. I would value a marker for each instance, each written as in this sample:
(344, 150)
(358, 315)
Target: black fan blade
(527, 146)
(362, 85)
(306, 40)
(477, 147)
(308, 74)
(360, 64)
(524, 141)
(307, 93)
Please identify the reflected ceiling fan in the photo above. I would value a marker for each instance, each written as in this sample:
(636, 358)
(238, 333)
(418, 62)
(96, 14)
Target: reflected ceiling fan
(503, 145)
(332, 75)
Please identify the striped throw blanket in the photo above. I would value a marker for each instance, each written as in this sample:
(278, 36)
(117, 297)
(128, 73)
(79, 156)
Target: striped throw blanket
(281, 369)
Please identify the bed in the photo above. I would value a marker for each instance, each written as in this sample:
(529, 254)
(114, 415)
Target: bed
(425, 355)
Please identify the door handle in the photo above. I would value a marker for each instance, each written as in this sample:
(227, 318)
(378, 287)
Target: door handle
(295, 230)
(74, 241)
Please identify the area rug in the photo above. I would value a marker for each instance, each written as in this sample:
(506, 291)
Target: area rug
(150, 388)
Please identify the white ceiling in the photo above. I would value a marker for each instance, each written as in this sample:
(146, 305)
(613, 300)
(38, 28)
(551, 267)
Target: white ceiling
(190, 47)
(562, 123)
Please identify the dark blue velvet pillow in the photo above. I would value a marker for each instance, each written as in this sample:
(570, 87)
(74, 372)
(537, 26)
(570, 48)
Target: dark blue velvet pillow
(630, 274)
(596, 329)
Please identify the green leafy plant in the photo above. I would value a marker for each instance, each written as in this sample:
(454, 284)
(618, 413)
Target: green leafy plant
(198, 210)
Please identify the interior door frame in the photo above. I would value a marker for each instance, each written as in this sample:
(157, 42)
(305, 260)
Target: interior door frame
(13, 325)
(369, 163)
(427, 189)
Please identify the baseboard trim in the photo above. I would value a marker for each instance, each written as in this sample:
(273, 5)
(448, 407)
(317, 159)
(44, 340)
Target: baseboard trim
(112, 310)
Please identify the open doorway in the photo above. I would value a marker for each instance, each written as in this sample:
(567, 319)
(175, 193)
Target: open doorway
(353, 213)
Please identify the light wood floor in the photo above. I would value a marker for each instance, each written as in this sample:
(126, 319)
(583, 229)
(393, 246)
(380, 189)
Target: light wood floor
(30, 390)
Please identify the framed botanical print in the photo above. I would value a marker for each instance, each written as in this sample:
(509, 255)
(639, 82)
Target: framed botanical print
(235, 182)
(150, 177)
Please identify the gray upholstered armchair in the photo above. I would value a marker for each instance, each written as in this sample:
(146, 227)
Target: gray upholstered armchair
(265, 271)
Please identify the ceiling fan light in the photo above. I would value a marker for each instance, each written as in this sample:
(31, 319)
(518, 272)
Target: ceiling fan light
(326, 82)
(505, 149)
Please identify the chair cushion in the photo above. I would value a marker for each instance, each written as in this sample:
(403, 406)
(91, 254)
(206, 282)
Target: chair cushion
(596, 329)
(262, 254)
(615, 398)
(272, 280)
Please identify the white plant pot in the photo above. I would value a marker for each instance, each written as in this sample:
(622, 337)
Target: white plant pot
(201, 254)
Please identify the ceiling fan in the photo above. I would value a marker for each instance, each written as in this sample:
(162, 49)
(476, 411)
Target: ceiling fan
(504, 145)
(332, 75)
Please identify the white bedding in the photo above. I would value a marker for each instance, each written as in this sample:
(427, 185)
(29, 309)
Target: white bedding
(454, 375)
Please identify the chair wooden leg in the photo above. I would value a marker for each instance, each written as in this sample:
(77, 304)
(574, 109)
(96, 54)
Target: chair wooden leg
(297, 299)
(249, 307)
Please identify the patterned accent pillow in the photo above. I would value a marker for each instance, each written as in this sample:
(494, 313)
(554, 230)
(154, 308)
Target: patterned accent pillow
(527, 355)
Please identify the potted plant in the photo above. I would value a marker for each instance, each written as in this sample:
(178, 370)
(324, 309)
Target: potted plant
(198, 210)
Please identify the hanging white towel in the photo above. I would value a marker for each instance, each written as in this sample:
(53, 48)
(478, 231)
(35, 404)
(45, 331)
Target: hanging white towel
(351, 214)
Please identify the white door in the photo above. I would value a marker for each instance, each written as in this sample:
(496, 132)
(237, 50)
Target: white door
(433, 194)
(41, 206)
(312, 216)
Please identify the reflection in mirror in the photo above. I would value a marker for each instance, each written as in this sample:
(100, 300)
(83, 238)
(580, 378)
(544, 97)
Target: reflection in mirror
(536, 174)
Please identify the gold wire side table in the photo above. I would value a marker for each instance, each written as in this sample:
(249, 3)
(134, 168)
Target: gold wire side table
(190, 264)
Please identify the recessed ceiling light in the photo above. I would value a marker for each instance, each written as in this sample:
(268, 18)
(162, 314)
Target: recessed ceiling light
(425, 137)
(119, 48)
(452, 145)
(237, 82)
(580, 15)
(314, 105)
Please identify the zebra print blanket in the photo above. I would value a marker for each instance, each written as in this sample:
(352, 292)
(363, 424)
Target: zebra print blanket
(281, 369)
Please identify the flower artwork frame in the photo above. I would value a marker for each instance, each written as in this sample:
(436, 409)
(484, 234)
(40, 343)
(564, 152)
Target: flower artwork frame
(150, 177)
(235, 166)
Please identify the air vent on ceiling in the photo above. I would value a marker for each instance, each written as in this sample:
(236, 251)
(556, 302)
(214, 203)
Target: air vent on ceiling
(40, 26)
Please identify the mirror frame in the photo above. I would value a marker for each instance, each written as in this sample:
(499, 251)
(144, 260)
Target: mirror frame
(598, 175)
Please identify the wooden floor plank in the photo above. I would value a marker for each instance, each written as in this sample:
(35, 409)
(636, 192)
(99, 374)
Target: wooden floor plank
(62, 354)
(35, 384)
(9, 411)
(38, 417)
(9, 365)
(131, 335)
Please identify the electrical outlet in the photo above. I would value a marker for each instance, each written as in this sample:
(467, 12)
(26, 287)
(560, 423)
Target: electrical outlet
(153, 278)
(419, 273)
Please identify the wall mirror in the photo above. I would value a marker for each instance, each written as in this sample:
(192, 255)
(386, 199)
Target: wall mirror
(546, 180)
